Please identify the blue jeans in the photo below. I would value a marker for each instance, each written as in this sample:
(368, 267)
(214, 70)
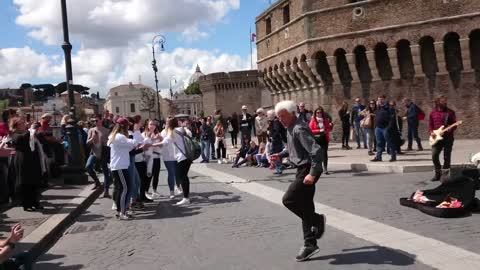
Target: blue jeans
(134, 185)
(107, 180)
(205, 150)
(359, 132)
(171, 167)
(382, 136)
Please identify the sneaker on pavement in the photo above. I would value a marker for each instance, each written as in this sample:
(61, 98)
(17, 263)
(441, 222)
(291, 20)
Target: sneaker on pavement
(114, 207)
(155, 195)
(306, 252)
(184, 201)
(225, 161)
(219, 161)
(178, 191)
(125, 217)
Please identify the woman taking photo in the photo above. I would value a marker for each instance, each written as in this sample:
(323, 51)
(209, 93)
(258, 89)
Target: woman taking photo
(120, 146)
(321, 127)
(344, 115)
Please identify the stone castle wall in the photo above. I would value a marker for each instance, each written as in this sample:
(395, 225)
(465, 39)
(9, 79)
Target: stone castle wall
(341, 50)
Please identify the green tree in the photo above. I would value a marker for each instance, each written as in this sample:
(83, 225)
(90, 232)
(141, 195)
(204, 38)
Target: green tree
(4, 104)
(193, 89)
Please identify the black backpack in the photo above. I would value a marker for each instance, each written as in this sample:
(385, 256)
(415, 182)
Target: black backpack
(192, 146)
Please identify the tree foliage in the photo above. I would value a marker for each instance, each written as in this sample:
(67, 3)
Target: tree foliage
(193, 89)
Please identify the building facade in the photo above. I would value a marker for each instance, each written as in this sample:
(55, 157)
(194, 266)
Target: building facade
(229, 91)
(132, 99)
(326, 52)
(187, 104)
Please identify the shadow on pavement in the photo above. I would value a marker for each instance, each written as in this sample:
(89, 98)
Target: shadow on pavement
(374, 255)
(43, 264)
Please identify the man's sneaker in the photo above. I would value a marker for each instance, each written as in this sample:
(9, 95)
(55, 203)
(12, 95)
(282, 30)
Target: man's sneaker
(225, 161)
(114, 207)
(155, 195)
(178, 191)
(320, 229)
(125, 217)
(184, 201)
(306, 252)
(219, 161)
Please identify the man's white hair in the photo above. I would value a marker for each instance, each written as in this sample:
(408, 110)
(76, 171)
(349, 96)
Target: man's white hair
(286, 105)
(271, 114)
(260, 110)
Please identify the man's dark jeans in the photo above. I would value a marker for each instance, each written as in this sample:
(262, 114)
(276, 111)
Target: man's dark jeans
(299, 200)
(446, 146)
(413, 134)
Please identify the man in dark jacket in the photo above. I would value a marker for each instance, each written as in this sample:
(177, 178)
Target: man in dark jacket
(356, 117)
(246, 121)
(384, 117)
(277, 136)
(206, 135)
(412, 120)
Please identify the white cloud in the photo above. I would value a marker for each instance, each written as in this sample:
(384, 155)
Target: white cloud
(116, 37)
(108, 23)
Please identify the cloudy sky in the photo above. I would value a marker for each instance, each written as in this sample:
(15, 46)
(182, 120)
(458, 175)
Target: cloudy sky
(112, 40)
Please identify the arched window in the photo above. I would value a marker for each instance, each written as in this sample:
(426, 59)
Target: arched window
(405, 60)
(453, 57)
(428, 57)
(475, 53)
(343, 71)
(382, 61)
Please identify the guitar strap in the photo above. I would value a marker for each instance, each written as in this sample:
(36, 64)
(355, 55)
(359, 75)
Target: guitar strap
(446, 119)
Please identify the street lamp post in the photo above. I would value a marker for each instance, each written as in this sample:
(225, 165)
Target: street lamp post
(161, 40)
(74, 172)
(171, 92)
(33, 112)
(54, 114)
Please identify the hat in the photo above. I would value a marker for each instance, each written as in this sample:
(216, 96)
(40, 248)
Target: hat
(123, 122)
(244, 107)
(46, 115)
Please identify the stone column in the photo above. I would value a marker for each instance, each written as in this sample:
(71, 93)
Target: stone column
(299, 74)
(286, 78)
(333, 68)
(442, 65)
(417, 60)
(351, 65)
(373, 66)
(466, 59)
(308, 72)
(312, 64)
(392, 55)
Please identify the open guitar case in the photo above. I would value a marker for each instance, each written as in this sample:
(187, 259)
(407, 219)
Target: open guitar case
(461, 186)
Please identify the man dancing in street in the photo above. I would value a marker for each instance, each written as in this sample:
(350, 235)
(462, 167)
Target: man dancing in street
(306, 155)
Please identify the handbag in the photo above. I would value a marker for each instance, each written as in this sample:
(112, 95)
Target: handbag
(366, 122)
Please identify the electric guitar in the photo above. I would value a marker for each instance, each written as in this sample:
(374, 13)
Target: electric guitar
(437, 134)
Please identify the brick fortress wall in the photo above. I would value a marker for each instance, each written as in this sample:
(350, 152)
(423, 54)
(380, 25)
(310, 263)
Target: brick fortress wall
(229, 91)
(331, 51)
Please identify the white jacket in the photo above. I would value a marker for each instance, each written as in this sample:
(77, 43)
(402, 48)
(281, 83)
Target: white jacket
(119, 152)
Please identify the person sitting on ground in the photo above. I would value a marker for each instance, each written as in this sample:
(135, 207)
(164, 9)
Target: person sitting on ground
(21, 261)
(249, 155)
(242, 152)
(261, 156)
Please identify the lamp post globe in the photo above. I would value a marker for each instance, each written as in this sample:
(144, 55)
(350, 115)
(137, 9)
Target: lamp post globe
(160, 39)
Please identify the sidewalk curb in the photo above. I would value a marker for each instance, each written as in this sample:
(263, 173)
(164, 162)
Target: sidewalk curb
(48, 232)
(382, 168)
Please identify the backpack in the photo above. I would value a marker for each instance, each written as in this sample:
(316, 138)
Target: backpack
(192, 146)
(421, 114)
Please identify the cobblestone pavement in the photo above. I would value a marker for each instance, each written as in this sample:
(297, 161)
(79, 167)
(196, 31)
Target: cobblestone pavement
(222, 229)
(376, 197)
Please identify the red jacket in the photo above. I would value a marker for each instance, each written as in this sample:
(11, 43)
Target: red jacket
(315, 130)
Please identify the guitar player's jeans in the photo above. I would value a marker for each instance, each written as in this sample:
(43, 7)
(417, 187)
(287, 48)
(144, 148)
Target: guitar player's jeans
(446, 146)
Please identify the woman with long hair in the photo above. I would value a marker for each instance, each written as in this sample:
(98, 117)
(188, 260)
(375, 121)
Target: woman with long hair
(152, 159)
(233, 122)
(220, 142)
(28, 168)
(120, 146)
(168, 154)
(344, 115)
(321, 127)
(369, 125)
